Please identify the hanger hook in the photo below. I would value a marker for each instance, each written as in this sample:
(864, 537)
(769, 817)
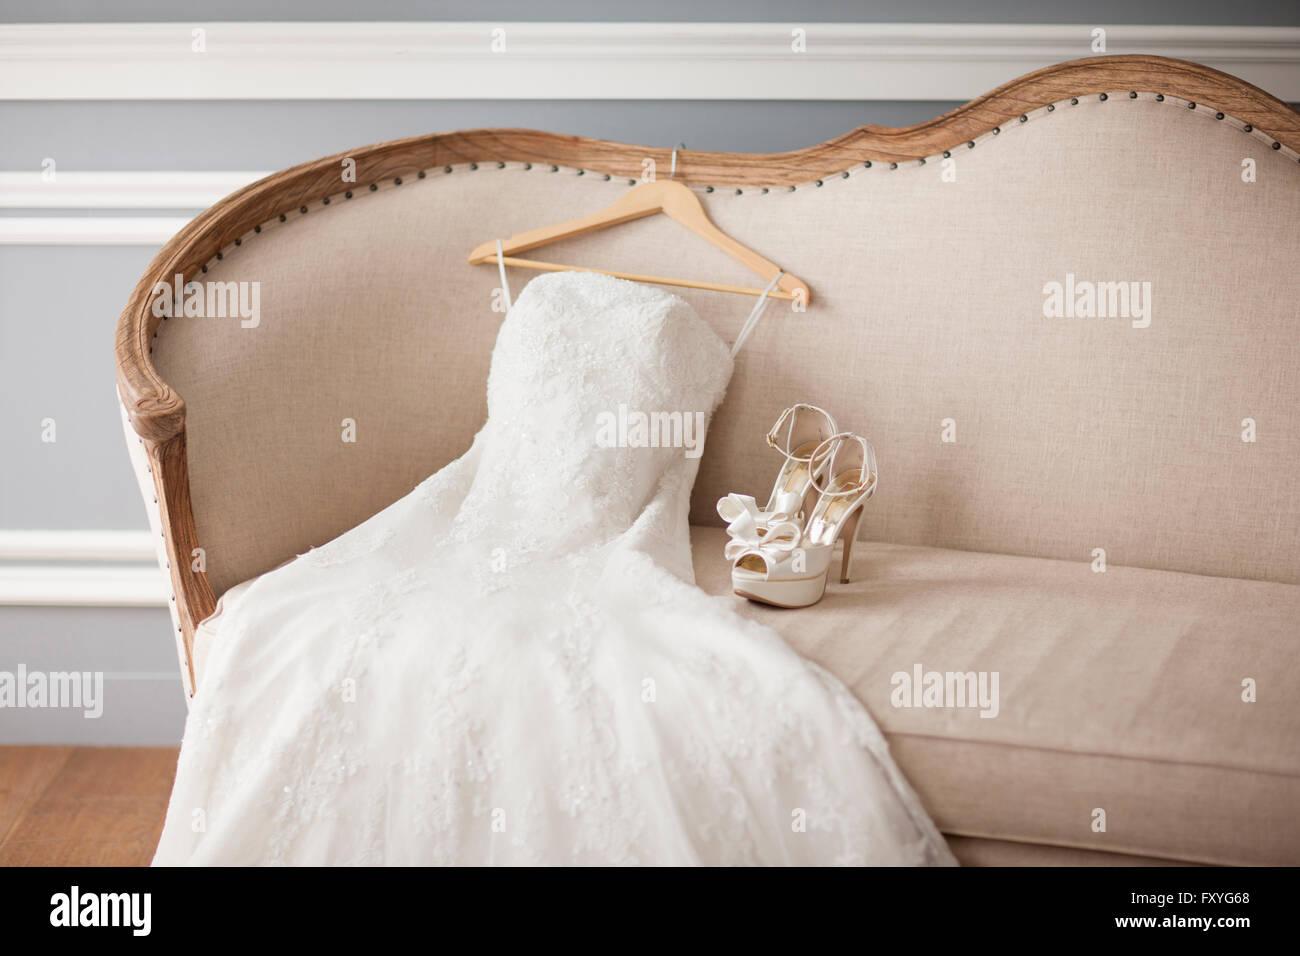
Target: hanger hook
(672, 174)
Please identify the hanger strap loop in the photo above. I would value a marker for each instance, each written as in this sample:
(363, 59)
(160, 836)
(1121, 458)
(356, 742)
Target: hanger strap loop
(755, 315)
(505, 283)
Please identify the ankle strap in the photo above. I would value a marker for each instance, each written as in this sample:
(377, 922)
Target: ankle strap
(789, 414)
(832, 446)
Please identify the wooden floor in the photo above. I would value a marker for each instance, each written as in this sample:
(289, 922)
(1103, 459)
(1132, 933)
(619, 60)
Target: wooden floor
(83, 806)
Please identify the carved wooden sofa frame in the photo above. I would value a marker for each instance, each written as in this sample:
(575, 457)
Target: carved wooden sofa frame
(155, 410)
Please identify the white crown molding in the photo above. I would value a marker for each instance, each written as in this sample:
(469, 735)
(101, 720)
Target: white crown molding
(85, 231)
(119, 190)
(127, 574)
(602, 61)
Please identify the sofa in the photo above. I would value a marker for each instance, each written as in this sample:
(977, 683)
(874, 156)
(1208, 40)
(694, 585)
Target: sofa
(1065, 314)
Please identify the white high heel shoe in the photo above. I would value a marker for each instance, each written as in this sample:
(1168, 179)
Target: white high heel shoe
(807, 427)
(790, 566)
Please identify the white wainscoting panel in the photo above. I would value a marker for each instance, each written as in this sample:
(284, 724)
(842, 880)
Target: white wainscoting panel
(160, 189)
(142, 190)
(80, 568)
(88, 231)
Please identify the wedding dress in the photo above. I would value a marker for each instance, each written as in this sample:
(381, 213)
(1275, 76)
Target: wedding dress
(512, 663)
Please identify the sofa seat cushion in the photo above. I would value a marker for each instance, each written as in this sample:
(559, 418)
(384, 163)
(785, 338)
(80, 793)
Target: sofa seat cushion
(1119, 691)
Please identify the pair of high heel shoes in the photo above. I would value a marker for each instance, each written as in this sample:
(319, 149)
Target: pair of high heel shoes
(781, 554)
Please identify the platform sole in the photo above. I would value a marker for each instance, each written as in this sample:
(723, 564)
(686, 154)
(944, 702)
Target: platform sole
(787, 594)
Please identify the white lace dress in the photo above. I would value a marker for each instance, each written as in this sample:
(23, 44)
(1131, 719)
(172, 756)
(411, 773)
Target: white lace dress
(512, 663)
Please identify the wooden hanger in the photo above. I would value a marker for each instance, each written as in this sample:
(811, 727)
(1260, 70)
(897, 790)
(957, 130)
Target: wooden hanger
(669, 197)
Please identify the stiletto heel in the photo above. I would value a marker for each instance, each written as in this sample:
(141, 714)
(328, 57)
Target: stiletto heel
(850, 535)
(789, 567)
(807, 428)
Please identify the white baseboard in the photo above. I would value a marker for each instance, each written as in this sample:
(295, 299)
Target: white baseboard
(599, 61)
(80, 569)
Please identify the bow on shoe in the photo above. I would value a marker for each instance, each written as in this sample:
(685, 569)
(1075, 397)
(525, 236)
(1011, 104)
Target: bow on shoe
(734, 506)
(747, 525)
(781, 539)
(745, 534)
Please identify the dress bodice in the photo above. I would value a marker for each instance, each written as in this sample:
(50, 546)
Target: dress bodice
(600, 390)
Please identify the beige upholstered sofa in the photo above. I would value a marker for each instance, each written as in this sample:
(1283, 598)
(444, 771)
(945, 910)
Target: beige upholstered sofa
(1105, 511)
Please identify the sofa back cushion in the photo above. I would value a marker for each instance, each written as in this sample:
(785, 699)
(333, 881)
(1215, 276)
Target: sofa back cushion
(1078, 334)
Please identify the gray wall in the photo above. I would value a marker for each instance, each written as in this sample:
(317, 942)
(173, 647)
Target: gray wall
(132, 647)
(58, 304)
(271, 135)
